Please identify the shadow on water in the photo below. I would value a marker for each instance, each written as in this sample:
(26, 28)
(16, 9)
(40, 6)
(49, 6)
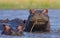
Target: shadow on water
(23, 14)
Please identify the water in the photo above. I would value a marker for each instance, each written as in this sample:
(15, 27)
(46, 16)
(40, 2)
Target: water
(23, 14)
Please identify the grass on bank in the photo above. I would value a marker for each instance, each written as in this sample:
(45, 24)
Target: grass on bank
(26, 4)
(22, 6)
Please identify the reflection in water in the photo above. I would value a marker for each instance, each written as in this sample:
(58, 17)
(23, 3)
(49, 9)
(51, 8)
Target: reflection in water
(23, 14)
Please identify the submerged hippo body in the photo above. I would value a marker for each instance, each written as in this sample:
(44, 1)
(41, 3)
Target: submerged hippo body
(14, 27)
(38, 20)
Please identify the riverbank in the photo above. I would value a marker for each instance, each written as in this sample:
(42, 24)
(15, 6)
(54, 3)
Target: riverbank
(27, 4)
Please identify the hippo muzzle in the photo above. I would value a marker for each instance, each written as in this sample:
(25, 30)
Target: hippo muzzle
(40, 20)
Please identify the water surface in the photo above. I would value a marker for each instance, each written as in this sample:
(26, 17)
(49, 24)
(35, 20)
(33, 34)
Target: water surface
(54, 15)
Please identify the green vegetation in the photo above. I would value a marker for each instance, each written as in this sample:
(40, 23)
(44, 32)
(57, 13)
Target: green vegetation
(22, 6)
(29, 4)
(54, 5)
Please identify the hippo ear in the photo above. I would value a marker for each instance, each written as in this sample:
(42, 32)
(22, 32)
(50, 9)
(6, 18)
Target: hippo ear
(45, 11)
(24, 21)
(6, 20)
(32, 11)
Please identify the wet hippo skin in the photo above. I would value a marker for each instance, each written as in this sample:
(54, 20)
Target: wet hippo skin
(13, 27)
(38, 20)
(4, 21)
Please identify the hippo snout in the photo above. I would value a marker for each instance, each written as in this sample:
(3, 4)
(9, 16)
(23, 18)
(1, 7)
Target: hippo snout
(38, 21)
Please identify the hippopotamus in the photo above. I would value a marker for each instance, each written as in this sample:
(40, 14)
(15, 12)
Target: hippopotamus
(6, 30)
(13, 27)
(38, 21)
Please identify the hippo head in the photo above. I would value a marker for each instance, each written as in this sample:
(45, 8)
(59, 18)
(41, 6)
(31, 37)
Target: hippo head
(6, 27)
(37, 20)
(39, 15)
(14, 27)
